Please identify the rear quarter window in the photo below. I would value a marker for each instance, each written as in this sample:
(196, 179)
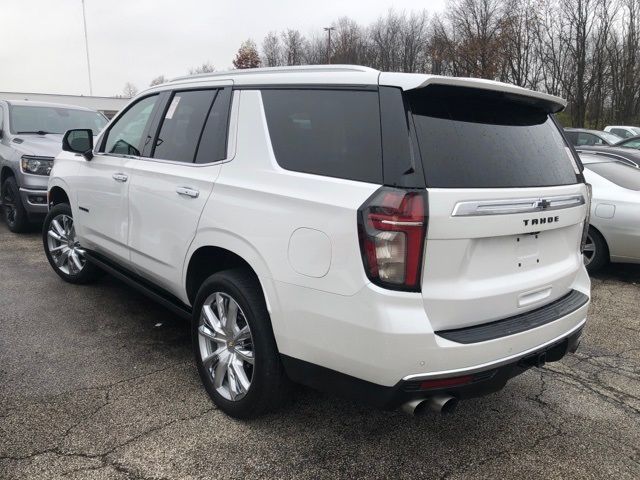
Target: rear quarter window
(335, 133)
(470, 138)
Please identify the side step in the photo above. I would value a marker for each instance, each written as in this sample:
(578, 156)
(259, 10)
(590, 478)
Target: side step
(145, 287)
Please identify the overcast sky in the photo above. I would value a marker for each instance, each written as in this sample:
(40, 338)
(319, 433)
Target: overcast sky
(42, 48)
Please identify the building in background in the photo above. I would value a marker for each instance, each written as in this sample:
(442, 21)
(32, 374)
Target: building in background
(109, 106)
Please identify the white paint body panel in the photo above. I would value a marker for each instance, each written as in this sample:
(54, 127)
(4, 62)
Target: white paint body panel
(299, 234)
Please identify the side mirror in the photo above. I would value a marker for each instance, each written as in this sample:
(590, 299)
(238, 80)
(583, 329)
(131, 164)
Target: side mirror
(80, 141)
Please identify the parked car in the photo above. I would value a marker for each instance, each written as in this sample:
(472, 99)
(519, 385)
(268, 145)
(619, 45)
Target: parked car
(404, 239)
(614, 233)
(582, 137)
(632, 142)
(625, 155)
(30, 138)
(623, 131)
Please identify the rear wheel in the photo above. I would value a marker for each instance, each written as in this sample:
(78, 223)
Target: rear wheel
(596, 252)
(63, 250)
(234, 346)
(15, 214)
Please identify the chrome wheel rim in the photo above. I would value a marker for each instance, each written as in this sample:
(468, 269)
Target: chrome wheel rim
(226, 346)
(589, 250)
(64, 248)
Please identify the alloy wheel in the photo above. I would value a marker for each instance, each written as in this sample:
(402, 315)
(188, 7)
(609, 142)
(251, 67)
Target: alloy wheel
(68, 255)
(226, 346)
(589, 250)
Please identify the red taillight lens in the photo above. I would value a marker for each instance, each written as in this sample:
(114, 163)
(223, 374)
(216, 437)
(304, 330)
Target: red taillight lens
(446, 382)
(392, 228)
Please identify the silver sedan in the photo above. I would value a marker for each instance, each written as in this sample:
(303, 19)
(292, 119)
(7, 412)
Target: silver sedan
(614, 231)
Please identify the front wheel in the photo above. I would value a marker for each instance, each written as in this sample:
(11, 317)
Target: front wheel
(234, 346)
(15, 214)
(63, 250)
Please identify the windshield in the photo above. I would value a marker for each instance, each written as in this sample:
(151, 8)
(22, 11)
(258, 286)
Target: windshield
(470, 138)
(622, 175)
(610, 137)
(28, 119)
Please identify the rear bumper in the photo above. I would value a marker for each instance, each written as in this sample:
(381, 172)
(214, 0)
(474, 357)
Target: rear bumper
(384, 337)
(483, 380)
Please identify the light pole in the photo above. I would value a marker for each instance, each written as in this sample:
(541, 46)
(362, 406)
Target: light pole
(86, 46)
(328, 30)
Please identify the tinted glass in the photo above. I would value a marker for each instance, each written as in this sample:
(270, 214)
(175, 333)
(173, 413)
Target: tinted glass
(622, 175)
(474, 139)
(572, 137)
(125, 136)
(213, 144)
(335, 133)
(27, 119)
(182, 125)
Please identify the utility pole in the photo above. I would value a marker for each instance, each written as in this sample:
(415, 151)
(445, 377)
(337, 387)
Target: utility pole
(86, 46)
(328, 30)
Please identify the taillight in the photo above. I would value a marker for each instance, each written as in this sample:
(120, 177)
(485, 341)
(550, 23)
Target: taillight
(392, 225)
(587, 218)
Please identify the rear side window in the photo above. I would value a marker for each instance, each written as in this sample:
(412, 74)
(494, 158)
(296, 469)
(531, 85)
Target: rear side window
(478, 139)
(335, 133)
(182, 125)
(622, 175)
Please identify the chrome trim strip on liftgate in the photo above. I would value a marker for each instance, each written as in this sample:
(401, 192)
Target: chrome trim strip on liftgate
(517, 205)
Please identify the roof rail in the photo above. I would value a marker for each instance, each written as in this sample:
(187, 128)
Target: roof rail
(268, 70)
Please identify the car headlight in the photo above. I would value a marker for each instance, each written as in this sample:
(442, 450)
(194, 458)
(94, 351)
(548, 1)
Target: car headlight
(36, 165)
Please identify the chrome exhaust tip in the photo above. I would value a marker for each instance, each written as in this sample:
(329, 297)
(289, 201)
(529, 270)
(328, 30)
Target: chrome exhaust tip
(443, 404)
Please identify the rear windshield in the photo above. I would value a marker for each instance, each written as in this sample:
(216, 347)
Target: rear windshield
(622, 175)
(476, 139)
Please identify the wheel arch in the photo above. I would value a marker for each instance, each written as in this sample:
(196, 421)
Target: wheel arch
(58, 195)
(5, 173)
(604, 238)
(217, 251)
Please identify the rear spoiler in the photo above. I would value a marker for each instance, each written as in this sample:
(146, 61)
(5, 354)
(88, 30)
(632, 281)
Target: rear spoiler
(413, 81)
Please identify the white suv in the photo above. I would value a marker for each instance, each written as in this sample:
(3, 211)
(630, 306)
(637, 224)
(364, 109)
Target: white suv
(409, 240)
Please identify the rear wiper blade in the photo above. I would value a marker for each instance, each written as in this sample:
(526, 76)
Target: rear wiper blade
(37, 132)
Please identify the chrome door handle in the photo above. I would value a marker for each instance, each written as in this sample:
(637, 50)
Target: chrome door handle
(187, 192)
(120, 177)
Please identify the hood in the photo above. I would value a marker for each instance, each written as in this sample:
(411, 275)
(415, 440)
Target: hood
(49, 145)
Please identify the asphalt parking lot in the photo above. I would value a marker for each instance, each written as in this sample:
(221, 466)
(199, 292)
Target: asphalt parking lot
(98, 382)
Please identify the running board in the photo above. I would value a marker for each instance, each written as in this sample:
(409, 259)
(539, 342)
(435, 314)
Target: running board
(145, 287)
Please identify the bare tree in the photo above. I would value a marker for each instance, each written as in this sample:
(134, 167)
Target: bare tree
(206, 67)
(129, 90)
(293, 47)
(348, 43)
(272, 55)
(160, 79)
(520, 48)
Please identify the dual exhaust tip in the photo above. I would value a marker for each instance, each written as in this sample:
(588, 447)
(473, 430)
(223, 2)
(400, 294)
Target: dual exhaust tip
(443, 404)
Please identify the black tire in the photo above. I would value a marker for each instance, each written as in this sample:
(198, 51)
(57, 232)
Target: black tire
(269, 386)
(15, 214)
(88, 273)
(600, 255)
